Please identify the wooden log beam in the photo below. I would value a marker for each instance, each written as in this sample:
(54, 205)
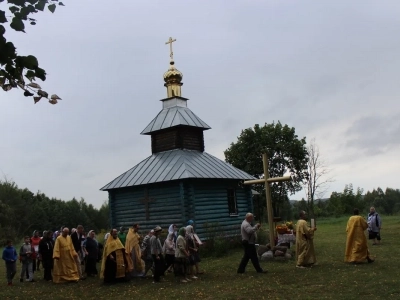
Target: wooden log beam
(269, 180)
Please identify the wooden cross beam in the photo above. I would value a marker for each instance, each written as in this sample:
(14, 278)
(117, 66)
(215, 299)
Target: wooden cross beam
(266, 182)
(146, 201)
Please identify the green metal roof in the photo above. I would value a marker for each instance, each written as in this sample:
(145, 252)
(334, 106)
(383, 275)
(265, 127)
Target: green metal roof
(174, 165)
(174, 113)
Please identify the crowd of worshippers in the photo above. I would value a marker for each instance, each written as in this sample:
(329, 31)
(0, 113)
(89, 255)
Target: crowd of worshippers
(70, 256)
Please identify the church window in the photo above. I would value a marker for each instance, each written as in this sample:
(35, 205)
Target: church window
(232, 202)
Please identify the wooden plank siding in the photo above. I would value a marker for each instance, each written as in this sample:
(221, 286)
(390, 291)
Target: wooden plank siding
(180, 137)
(211, 206)
(164, 211)
(203, 200)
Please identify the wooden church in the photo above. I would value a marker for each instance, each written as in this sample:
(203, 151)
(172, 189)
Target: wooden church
(179, 181)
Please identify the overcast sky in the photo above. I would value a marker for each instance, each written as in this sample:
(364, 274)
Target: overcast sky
(328, 68)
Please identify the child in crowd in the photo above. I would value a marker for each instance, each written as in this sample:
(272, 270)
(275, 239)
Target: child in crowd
(10, 257)
(26, 254)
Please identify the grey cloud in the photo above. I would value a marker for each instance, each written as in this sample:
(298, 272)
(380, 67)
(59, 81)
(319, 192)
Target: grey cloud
(308, 64)
(374, 134)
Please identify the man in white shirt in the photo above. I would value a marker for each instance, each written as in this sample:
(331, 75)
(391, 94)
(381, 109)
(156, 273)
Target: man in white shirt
(249, 235)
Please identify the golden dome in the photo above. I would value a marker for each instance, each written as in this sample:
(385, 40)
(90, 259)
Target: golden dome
(173, 75)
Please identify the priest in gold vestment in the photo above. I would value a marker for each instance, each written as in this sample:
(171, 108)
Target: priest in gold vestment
(132, 247)
(65, 269)
(356, 242)
(305, 255)
(115, 263)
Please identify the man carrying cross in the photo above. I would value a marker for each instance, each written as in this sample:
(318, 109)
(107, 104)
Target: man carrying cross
(249, 235)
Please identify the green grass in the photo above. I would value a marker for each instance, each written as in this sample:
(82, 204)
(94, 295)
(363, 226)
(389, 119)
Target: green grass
(331, 279)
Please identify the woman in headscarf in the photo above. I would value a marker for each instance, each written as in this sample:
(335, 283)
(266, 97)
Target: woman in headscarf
(193, 249)
(173, 229)
(181, 255)
(91, 249)
(169, 251)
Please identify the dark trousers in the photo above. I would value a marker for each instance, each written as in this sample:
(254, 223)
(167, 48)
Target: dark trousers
(249, 253)
(159, 267)
(47, 263)
(91, 266)
(11, 269)
(169, 260)
(47, 274)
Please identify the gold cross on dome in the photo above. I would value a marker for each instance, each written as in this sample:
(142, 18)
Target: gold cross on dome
(170, 41)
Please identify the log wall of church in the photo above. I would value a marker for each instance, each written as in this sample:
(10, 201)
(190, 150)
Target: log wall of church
(211, 205)
(165, 207)
(176, 202)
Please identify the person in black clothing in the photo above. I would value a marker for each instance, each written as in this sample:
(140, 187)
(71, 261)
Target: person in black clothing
(46, 246)
(92, 249)
(77, 242)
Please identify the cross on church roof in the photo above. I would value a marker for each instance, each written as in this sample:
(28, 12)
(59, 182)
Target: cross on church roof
(170, 41)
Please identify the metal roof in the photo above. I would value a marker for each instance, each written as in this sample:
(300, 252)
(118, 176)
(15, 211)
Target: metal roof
(174, 165)
(174, 116)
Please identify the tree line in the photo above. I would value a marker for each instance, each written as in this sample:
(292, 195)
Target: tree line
(22, 212)
(342, 203)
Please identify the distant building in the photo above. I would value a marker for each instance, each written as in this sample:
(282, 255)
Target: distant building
(179, 181)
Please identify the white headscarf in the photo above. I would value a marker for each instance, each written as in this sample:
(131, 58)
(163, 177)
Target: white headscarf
(189, 231)
(171, 228)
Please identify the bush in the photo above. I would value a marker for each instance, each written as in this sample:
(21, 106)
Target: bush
(263, 237)
(218, 243)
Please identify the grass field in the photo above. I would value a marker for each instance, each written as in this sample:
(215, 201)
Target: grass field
(331, 279)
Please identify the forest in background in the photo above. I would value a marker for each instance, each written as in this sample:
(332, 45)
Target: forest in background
(22, 212)
(338, 204)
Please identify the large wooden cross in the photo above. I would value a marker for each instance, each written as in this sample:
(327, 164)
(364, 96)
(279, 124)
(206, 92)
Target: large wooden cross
(146, 201)
(170, 41)
(266, 182)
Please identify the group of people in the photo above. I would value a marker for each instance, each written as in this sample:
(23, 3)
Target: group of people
(356, 243)
(63, 256)
(125, 256)
(68, 256)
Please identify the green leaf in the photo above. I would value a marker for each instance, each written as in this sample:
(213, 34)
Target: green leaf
(14, 9)
(61, 4)
(31, 8)
(31, 62)
(2, 30)
(28, 93)
(33, 23)
(30, 75)
(40, 73)
(3, 18)
(17, 24)
(10, 48)
(17, 2)
(52, 7)
(40, 5)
